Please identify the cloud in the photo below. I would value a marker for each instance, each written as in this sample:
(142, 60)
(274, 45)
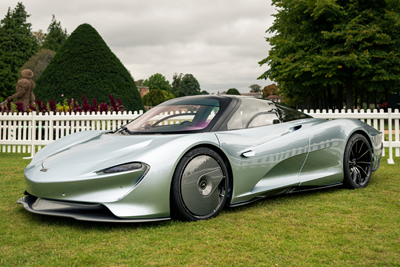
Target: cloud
(220, 42)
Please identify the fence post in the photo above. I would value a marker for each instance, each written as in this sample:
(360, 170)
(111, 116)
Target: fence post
(382, 129)
(390, 159)
(396, 132)
(51, 128)
(33, 147)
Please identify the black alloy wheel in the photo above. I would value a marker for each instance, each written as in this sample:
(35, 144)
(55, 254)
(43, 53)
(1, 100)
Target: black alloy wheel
(358, 162)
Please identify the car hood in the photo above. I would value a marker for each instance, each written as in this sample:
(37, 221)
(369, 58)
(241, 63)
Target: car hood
(94, 152)
(99, 149)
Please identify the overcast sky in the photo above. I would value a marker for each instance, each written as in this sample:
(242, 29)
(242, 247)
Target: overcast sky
(220, 42)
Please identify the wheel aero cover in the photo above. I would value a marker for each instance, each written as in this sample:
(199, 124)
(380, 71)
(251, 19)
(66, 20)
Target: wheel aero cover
(200, 185)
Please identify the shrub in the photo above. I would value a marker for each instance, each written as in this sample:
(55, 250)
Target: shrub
(66, 106)
(233, 91)
(154, 97)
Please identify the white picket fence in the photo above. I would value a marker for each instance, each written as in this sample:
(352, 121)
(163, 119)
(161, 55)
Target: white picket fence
(27, 133)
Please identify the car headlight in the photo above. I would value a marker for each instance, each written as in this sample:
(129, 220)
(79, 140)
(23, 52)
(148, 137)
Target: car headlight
(124, 168)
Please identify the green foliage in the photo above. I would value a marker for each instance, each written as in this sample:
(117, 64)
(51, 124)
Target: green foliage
(86, 65)
(271, 89)
(233, 91)
(38, 63)
(17, 45)
(255, 88)
(176, 81)
(185, 85)
(204, 92)
(55, 36)
(154, 97)
(320, 45)
(168, 95)
(189, 86)
(157, 81)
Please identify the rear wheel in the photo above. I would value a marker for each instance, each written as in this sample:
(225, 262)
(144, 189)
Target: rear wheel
(358, 161)
(199, 186)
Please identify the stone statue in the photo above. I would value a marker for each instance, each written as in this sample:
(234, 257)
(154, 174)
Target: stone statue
(25, 88)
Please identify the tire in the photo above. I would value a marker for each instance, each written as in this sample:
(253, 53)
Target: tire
(199, 186)
(357, 162)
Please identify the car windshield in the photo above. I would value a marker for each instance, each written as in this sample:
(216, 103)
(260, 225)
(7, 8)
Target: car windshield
(174, 118)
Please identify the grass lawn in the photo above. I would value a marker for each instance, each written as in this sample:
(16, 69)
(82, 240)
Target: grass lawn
(337, 227)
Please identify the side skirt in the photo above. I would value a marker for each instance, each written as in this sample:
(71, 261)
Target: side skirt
(244, 202)
(299, 189)
(291, 190)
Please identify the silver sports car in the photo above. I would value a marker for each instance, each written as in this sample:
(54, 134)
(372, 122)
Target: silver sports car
(189, 157)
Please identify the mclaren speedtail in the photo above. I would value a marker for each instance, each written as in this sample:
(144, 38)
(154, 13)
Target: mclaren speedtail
(189, 157)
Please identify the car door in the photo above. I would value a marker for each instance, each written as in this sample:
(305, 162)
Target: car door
(265, 154)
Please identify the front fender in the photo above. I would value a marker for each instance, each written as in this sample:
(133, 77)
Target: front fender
(151, 198)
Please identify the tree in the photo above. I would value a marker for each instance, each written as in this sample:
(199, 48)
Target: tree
(176, 81)
(86, 65)
(55, 36)
(140, 82)
(168, 95)
(154, 97)
(255, 88)
(38, 62)
(189, 86)
(321, 49)
(233, 91)
(271, 89)
(157, 81)
(40, 36)
(204, 92)
(17, 45)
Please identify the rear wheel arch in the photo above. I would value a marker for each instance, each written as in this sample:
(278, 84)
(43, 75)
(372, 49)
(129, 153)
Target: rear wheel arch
(363, 134)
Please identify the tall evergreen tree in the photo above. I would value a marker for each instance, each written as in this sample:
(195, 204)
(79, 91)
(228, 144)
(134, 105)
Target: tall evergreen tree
(17, 45)
(85, 65)
(55, 36)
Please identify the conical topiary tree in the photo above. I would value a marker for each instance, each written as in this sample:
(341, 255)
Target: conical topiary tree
(85, 65)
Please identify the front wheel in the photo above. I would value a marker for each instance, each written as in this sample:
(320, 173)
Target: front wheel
(199, 186)
(358, 162)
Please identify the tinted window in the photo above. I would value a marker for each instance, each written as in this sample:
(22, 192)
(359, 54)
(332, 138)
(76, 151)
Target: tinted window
(253, 113)
(288, 114)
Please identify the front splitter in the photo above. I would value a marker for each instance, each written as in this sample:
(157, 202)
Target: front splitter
(77, 211)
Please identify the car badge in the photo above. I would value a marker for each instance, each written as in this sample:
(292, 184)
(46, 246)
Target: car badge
(43, 170)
